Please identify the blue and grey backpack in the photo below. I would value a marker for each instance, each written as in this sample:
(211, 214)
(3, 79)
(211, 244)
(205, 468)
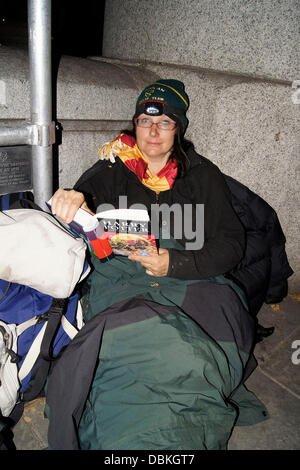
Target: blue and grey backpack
(34, 330)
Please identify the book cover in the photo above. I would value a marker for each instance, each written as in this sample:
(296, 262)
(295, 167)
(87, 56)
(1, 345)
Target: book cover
(118, 231)
(128, 231)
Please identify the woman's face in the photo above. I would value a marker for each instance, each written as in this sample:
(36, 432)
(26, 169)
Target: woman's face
(154, 143)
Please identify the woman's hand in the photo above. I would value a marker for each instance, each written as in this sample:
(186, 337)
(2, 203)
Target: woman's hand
(65, 204)
(156, 265)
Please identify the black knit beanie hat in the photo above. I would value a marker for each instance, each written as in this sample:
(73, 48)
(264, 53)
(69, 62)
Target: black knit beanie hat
(164, 97)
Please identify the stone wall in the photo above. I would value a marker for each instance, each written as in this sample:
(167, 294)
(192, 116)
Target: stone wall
(95, 100)
(238, 60)
(251, 37)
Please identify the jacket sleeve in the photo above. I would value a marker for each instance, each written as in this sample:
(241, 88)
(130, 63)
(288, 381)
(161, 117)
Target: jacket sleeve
(89, 186)
(224, 236)
(264, 269)
(280, 267)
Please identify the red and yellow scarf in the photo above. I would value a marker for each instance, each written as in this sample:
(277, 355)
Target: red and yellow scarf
(125, 147)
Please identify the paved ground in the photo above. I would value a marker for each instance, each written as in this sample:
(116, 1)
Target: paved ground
(276, 381)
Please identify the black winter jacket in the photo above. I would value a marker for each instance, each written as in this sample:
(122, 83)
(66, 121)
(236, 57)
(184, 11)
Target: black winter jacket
(264, 269)
(253, 256)
(224, 237)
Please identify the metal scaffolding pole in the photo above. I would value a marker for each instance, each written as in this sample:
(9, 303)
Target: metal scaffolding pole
(40, 132)
(39, 29)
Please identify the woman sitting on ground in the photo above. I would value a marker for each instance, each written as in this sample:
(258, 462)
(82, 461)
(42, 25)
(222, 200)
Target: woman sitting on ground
(177, 338)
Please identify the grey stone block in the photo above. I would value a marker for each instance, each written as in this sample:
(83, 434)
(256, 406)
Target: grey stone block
(281, 431)
(275, 382)
(277, 354)
(14, 71)
(253, 38)
(86, 88)
(89, 89)
(78, 152)
(285, 317)
(95, 100)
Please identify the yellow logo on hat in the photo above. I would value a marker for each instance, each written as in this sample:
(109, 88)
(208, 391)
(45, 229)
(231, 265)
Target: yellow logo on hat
(149, 92)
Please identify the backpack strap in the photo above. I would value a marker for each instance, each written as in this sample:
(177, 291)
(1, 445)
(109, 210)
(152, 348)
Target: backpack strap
(36, 346)
(44, 339)
(16, 200)
(68, 327)
(54, 319)
(5, 202)
(32, 354)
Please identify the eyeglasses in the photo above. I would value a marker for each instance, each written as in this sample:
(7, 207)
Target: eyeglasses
(162, 125)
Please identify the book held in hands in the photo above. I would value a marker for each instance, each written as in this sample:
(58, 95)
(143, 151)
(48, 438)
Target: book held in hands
(128, 231)
(118, 231)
